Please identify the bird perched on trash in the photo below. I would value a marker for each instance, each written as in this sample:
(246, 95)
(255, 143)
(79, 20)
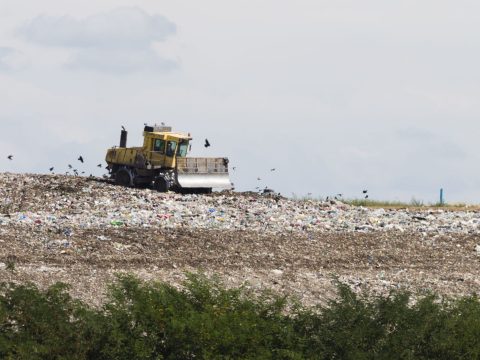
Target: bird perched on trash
(207, 143)
(99, 165)
(80, 158)
(10, 157)
(123, 128)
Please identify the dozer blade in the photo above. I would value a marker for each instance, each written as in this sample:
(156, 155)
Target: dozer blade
(215, 181)
(203, 173)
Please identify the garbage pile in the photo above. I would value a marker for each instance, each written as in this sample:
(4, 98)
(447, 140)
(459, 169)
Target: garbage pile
(55, 201)
(83, 231)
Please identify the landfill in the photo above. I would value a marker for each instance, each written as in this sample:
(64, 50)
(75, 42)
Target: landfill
(83, 231)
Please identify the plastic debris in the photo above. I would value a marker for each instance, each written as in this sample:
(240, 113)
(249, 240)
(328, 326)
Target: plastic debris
(100, 229)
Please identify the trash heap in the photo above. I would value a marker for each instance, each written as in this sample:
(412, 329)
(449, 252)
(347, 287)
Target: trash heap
(69, 203)
(82, 231)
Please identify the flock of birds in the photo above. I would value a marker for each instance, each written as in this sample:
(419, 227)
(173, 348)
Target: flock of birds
(265, 190)
(70, 167)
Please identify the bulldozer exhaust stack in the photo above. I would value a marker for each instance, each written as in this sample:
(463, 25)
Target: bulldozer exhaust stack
(123, 139)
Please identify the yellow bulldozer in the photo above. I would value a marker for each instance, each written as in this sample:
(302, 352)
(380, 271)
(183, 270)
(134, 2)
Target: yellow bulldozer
(162, 162)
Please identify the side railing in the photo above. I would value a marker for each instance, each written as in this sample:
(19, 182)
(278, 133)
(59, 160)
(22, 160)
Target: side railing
(194, 165)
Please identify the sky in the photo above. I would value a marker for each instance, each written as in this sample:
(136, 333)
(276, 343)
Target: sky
(338, 96)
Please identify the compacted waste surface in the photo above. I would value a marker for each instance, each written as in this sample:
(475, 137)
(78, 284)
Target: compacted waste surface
(83, 231)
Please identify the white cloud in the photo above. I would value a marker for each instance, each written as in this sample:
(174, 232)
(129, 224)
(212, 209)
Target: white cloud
(11, 59)
(119, 61)
(119, 41)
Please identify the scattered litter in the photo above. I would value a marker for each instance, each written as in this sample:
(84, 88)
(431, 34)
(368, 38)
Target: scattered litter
(68, 232)
(68, 203)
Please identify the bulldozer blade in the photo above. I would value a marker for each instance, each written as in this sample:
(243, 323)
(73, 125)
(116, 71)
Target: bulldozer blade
(215, 181)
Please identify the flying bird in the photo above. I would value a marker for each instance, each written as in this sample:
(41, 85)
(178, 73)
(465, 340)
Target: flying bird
(80, 158)
(273, 169)
(51, 169)
(10, 157)
(99, 165)
(70, 166)
(258, 179)
(207, 143)
(365, 191)
(366, 196)
(123, 128)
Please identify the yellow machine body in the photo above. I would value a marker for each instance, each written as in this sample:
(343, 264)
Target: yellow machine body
(163, 159)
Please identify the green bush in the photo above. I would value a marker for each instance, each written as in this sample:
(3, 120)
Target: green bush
(205, 320)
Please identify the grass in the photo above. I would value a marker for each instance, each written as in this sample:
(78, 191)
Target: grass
(413, 204)
(386, 204)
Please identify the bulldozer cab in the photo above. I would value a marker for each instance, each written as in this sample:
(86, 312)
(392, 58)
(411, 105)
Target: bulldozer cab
(163, 148)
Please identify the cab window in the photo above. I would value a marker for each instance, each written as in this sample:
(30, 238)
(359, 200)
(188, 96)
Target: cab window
(182, 149)
(159, 146)
(171, 147)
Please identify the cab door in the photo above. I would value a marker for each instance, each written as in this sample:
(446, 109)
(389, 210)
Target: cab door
(157, 157)
(170, 152)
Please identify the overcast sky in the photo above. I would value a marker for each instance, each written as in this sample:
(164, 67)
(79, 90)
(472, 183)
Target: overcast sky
(338, 95)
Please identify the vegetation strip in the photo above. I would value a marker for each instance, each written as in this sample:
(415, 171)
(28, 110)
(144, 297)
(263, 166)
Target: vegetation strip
(205, 320)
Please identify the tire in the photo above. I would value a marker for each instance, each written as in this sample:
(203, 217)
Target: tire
(124, 177)
(161, 185)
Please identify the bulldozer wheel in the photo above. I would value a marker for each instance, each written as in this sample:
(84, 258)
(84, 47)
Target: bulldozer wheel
(123, 178)
(161, 185)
